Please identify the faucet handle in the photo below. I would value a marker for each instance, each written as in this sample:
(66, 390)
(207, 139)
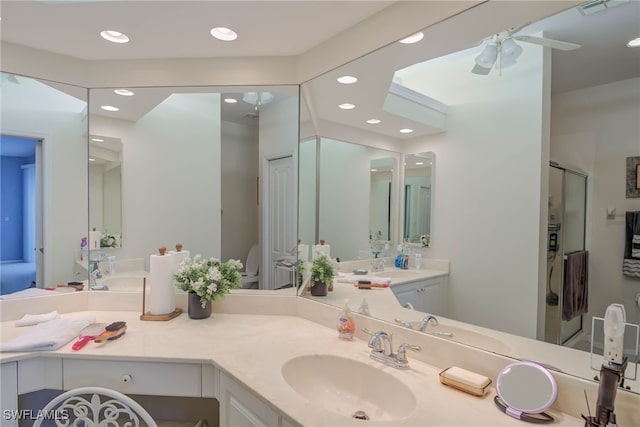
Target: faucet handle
(402, 351)
(402, 322)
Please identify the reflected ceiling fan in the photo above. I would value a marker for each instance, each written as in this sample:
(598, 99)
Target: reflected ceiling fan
(503, 51)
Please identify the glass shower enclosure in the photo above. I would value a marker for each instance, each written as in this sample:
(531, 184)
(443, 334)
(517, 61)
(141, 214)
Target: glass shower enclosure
(565, 235)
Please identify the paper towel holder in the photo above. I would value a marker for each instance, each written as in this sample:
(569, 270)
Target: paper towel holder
(156, 317)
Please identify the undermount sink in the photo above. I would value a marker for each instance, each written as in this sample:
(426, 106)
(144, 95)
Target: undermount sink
(465, 336)
(347, 387)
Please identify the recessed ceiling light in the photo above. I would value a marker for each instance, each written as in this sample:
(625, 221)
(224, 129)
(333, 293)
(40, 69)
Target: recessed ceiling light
(91, 159)
(374, 170)
(110, 108)
(373, 121)
(114, 36)
(347, 106)
(414, 38)
(123, 92)
(223, 33)
(97, 139)
(230, 100)
(634, 43)
(419, 163)
(347, 80)
(406, 130)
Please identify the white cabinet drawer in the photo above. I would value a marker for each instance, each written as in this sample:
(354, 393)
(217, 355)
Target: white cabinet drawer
(152, 378)
(40, 373)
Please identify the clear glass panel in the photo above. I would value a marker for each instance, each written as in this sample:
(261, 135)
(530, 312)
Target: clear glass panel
(575, 199)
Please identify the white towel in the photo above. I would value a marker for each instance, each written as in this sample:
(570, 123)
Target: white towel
(50, 335)
(34, 319)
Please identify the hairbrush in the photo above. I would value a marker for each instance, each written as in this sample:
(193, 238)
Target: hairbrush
(112, 331)
(87, 334)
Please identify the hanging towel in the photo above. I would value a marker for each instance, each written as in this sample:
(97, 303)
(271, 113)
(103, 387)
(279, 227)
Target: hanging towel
(49, 335)
(631, 262)
(575, 291)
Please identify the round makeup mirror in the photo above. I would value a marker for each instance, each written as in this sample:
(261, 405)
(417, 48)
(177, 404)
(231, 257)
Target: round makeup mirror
(525, 390)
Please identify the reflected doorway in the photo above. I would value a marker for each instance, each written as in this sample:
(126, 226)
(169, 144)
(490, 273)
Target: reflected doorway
(21, 254)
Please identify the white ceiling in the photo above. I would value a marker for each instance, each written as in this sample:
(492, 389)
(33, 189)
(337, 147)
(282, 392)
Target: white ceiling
(175, 29)
(602, 58)
(179, 28)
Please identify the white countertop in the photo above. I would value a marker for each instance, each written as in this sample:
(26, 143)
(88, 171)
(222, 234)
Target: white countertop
(384, 305)
(253, 349)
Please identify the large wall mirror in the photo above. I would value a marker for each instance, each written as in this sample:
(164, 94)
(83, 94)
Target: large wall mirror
(44, 184)
(494, 125)
(417, 197)
(105, 191)
(211, 168)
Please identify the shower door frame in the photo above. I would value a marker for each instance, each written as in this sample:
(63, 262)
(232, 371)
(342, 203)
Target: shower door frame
(562, 239)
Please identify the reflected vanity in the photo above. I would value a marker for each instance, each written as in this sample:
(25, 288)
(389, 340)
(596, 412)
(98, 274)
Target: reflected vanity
(484, 210)
(475, 194)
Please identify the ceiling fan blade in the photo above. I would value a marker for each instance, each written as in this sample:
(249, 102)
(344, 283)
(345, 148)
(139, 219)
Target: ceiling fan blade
(555, 44)
(480, 70)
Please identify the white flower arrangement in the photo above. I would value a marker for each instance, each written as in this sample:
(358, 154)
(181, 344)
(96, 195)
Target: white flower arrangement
(209, 278)
(108, 240)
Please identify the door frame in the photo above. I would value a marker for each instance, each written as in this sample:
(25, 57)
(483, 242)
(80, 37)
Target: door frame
(44, 269)
(265, 270)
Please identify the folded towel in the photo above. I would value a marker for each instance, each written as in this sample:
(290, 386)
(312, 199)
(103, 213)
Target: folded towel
(631, 261)
(34, 319)
(50, 335)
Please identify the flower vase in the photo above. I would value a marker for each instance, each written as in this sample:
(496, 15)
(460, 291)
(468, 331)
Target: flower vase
(195, 307)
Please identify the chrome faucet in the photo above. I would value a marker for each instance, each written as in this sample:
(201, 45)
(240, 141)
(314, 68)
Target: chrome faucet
(382, 350)
(380, 342)
(426, 320)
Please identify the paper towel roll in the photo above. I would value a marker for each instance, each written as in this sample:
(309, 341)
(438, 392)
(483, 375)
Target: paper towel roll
(179, 255)
(321, 249)
(162, 294)
(303, 252)
(94, 239)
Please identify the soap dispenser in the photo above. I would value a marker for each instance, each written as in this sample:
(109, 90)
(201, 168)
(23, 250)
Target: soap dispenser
(346, 324)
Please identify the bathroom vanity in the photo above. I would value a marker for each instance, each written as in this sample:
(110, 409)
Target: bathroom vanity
(249, 363)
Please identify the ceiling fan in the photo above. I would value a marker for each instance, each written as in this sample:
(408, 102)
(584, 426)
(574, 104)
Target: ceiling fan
(503, 51)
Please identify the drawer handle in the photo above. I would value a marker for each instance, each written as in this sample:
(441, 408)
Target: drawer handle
(127, 378)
